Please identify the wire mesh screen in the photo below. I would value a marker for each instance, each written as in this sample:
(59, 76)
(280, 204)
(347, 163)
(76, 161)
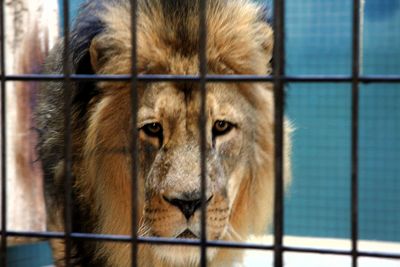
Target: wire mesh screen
(336, 76)
(379, 185)
(320, 201)
(322, 26)
(322, 115)
(380, 43)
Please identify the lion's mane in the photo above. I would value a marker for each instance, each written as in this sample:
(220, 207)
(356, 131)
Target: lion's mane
(239, 42)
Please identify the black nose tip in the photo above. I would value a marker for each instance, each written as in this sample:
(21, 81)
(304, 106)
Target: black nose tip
(188, 207)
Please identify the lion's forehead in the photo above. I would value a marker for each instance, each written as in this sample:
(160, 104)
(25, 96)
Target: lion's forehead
(175, 102)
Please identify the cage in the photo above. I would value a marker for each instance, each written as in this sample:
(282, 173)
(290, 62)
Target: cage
(335, 75)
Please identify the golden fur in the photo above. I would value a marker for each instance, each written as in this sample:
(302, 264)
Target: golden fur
(240, 170)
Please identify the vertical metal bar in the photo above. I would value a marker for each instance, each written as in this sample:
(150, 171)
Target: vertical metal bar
(67, 87)
(354, 130)
(134, 144)
(3, 250)
(203, 125)
(279, 70)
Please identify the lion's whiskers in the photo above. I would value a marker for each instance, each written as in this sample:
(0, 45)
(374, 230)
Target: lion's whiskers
(144, 228)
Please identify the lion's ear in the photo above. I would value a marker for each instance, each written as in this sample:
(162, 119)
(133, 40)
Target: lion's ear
(97, 54)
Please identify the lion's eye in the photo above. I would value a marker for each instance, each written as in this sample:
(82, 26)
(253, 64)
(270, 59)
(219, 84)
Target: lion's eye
(221, 127)
(153, 129)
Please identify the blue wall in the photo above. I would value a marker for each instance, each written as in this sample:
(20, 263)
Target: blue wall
(318, 41)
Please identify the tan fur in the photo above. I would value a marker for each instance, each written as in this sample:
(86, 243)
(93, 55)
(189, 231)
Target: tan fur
(240, 170)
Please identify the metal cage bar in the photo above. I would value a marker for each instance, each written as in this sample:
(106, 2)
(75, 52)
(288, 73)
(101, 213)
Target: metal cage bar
(354, 130)
(209, 78)
(190, 242)
(202, 127)
(3, 141)
(279, 98)
(67, 136)
(135, 134)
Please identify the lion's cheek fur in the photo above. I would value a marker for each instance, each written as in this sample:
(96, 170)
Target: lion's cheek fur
(104, 179)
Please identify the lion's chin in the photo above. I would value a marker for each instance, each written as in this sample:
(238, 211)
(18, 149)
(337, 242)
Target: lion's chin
(185, 255)
(181, 255)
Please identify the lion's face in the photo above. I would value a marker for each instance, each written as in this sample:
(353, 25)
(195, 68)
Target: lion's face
(168, 122)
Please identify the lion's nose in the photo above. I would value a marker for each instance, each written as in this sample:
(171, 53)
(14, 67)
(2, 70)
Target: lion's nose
(187, 206)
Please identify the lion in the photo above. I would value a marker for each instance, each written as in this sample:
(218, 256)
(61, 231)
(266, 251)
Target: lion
(239, 132)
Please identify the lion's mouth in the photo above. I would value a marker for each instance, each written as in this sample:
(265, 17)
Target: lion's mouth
(187, 234)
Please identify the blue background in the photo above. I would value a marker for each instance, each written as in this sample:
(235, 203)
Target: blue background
(318, 41)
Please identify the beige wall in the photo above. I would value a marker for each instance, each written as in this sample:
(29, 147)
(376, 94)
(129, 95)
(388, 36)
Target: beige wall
(31, 29)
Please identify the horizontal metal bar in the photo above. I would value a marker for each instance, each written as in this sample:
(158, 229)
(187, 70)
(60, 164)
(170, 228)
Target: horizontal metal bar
(192, 242)
(127, 238)
(209, 78)
(87, 236)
